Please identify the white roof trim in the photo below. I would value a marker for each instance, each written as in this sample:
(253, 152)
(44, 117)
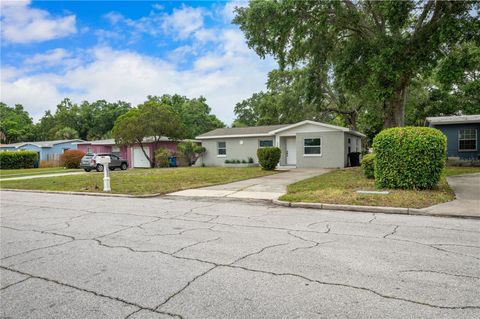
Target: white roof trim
(335, 127)
(274, 132)
(233, 136)
(310, 122)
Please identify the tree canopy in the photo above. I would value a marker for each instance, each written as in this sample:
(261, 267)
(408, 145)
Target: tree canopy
(194, 113)
(15, 124)
(364, 48)
(152, 119)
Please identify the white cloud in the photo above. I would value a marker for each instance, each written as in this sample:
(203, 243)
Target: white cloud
(129, 76)
(219, 66)
(183, 22)
(23, 24)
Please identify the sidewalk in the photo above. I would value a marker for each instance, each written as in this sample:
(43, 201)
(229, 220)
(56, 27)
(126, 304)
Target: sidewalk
(38, 176)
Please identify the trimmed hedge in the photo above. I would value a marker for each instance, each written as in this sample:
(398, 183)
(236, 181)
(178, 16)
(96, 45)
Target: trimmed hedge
(18, 159)
(268, 157)
(409, 157)
(71, 158)
(368, 165)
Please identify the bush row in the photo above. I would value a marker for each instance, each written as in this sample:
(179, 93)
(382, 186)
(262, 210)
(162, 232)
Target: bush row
(234, 161)
(19, 159)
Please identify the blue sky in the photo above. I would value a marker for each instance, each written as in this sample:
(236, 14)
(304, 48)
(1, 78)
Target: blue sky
(125, 50)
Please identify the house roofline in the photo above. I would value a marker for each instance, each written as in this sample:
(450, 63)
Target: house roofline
(233, 136)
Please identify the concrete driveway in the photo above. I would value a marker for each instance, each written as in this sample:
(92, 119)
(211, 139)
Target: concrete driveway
(267, 187)
(467, 197)
(66, 256)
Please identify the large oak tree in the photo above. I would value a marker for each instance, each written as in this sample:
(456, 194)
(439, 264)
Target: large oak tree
(368, 46)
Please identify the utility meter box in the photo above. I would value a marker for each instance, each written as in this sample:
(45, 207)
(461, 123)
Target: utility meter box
(103, 159)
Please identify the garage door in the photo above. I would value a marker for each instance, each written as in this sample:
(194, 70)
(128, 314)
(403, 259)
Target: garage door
(139, 158)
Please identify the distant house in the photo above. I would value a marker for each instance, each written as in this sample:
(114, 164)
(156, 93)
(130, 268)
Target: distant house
(304, 144)
(462, 134)
(133, 154)
(47, 150)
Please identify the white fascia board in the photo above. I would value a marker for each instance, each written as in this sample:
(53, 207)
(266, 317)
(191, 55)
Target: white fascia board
(232, 136)
(344, 129)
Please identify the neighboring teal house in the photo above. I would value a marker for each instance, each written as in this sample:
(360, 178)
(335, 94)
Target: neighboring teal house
(462, 134)
(47, 150)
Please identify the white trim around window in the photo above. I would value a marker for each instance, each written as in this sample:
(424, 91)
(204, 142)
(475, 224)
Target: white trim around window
(222, 149)
(467, 136)
(266, 141)
(312, 147)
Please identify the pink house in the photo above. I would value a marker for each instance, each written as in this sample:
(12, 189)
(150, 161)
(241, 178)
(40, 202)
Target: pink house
(132, 153)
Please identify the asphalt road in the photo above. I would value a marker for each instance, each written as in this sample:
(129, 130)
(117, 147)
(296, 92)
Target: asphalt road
(68, 256)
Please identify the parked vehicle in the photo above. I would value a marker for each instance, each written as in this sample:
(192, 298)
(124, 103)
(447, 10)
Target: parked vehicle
(89, 162)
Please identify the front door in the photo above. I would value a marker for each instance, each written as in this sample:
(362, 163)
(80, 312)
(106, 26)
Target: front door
(291, 151)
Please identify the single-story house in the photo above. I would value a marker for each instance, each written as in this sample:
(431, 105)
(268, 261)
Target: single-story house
(47, 150)
(132, 153)
(304, 144)
(462, 134)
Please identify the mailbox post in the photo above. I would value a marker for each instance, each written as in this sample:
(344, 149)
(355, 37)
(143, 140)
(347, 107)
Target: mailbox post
(105, 160)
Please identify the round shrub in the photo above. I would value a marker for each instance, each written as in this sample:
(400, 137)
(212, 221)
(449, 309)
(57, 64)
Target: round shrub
(18, 159)
(368, 165)
(162, 157)
(409, 157)
(268, 157)
(71, 158)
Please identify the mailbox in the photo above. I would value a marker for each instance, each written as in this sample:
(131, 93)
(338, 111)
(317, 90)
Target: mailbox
(105, 160)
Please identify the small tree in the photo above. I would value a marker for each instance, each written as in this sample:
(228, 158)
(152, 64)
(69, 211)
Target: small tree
(190, 151)
(66, 133)
(152, 120)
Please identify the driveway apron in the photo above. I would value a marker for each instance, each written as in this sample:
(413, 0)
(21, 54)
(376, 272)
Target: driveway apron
(467, 193)
(267, 187)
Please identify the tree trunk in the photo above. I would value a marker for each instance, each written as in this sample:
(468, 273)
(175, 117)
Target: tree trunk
(394, 108)
(152, 164)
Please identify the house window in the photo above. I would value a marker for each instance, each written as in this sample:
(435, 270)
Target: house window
(312, 146)
(265, 143)
(222, 149)
(89, 150)
(467, 139)
(116, 150)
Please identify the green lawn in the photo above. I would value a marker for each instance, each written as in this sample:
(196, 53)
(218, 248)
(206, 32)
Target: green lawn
(141, 181)
(7, 173)
(340, 186)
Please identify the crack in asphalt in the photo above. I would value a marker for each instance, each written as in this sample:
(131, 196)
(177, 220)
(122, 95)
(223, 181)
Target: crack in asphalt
(232, 265)
(15, 283)
(98, 294)
(438, 272)
(195, 244)
(392, 232)
(315, 243)
(215, 265)
(354, 287)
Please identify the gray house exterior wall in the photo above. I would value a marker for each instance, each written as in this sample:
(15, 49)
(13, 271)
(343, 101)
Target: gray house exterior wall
(332, 150)
(289, 138)
(235, 149)
(451, 131)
